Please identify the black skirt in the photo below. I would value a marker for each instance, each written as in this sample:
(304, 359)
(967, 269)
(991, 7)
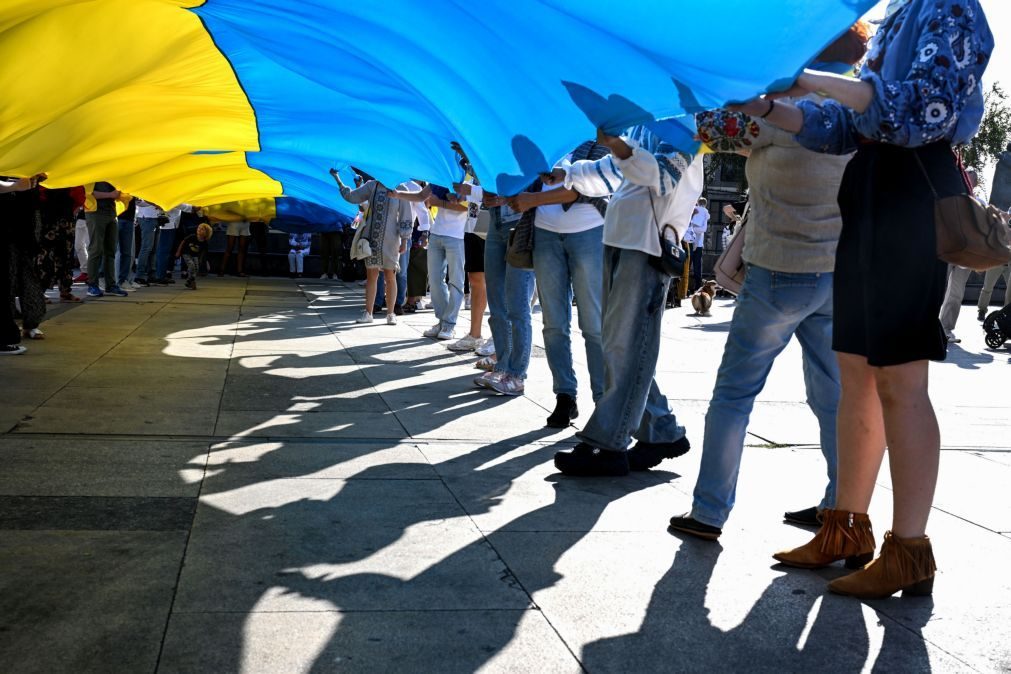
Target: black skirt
(889, 283)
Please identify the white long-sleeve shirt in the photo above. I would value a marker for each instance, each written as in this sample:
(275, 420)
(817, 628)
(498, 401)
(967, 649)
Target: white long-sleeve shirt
(656, 186)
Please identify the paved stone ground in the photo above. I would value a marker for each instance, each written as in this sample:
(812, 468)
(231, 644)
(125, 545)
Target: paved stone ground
(242, 479)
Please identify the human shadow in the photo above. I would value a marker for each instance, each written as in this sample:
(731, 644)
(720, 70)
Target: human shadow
(482, 599)
(794, 626)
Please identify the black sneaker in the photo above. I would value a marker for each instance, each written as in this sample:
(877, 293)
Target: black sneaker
(587, 461)
(981, 315)
(11, 349)
(142, 282)
(565, 411)
(809, 517)
(646, 455)
(686, 524)
(398, 309)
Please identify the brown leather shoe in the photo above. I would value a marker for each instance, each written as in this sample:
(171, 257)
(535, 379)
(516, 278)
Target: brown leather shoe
(843, 535)
(905, 564)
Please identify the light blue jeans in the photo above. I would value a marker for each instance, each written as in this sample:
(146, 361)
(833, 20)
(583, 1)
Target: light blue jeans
(145, 258)
(568, 264)
(772, 307)
(509, 291)
(445, 254)
(633, 300)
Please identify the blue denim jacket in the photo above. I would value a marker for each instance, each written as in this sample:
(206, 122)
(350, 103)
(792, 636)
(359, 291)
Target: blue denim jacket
(926, 66)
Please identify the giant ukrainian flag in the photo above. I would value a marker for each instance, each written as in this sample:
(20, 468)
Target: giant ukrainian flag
(226, 100)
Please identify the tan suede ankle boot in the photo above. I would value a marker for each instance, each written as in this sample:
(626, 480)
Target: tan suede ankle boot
(843, 535)
(905, 564)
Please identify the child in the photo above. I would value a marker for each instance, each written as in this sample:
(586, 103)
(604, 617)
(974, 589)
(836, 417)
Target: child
(192, 249)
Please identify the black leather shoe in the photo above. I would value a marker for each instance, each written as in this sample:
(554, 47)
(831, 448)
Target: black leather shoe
(685, 524)
(809, 517)
(646, 455)
(565, 411)
(587, 461)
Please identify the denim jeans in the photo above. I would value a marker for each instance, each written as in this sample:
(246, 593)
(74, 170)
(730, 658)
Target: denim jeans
(568, 264)
(146, 257)
(405, 261)
(125, 258)
(445, 254)
(633, 300)
(166, 251)
(509, 291)
(772, 307)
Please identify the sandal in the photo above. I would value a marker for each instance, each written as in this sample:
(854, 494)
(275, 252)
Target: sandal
(34, 333)
(69, 298)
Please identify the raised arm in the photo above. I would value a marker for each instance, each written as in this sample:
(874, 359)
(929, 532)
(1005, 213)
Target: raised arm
(660, 169)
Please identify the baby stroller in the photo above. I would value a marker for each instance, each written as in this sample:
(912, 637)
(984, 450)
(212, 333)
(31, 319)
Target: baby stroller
(998, 327)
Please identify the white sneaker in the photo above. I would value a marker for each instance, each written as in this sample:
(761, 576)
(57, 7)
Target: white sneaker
(448, 333)
(507, 385)
(433, 332)
(466, 343)
(487, 364)
(391, 319)
(366, 317)
(485, 380)
(487, 348)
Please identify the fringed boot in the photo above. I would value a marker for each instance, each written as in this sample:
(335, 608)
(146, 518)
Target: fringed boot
(843, 535)
(905, 564)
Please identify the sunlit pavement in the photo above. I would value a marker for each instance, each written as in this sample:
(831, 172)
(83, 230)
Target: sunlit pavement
(243, 479)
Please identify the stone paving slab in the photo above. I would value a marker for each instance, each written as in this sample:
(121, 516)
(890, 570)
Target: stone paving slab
(360, 505)
(282, 544)
(372, 641)
(85, 601)
(79, 466)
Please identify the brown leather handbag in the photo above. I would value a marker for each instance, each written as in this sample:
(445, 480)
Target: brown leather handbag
(730, 267)
(969, 234)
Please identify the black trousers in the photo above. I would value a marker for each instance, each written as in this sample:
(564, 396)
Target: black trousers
(330, 250)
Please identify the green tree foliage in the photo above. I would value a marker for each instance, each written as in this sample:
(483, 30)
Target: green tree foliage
(994, 131)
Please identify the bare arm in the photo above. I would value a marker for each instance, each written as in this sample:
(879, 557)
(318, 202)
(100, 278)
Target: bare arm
(524, 201)
(412, 197)
(856, 95)
(448, 205)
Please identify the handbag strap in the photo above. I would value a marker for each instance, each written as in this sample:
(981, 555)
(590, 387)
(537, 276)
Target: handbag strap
(923, 168)
(656, 220)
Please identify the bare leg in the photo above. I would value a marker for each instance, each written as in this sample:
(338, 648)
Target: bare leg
(861, 434)
(478, 302)
(371, 285)
(391, 289)
(914, 444)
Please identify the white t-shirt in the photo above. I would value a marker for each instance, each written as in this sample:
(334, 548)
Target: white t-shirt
(175, 215)
(420, 211)
(554, 218)
(145, 209)
(697, 229)
(454, 223)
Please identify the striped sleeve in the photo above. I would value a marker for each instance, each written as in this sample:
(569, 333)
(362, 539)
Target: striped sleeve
(593, 178)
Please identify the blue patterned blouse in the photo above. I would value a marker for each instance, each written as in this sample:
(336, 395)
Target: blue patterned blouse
(926, 65)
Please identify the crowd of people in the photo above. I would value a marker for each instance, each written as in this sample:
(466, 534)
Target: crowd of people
(842, 170)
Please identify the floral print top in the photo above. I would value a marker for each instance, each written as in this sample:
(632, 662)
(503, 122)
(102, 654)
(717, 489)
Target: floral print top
(926, 65)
